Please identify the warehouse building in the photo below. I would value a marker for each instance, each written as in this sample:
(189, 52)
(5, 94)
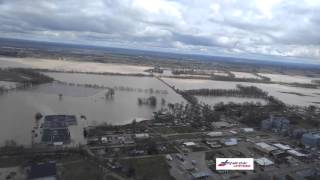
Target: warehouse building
(275, 123)
(265, 148)
(311, 139)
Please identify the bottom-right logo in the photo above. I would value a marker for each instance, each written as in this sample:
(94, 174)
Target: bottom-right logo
(234, 164)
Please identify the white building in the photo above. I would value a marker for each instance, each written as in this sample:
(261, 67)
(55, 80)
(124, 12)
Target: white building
(189, 143)
(230, 142)
(142, 136)
(264, 147)
(247, 130)
(214, 134)
(263, 161)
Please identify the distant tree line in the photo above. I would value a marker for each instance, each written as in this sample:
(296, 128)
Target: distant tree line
(95, 73)
(118, 88)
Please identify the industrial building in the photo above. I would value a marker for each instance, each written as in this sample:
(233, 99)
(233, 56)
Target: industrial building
(275, 123)
(311, 139)
(55, 129)
(55, 136)
(43, 171)
(264, 147)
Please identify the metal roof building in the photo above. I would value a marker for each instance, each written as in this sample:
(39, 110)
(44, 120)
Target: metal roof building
(45, 171)
(282, 146)
(214, 134)
(264, 147)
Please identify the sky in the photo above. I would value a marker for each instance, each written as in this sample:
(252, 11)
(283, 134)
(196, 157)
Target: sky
(270, 29)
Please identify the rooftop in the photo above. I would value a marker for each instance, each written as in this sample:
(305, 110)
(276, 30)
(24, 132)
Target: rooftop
(266, 146)
(189, 143)
(43, 170)
(200, 174)
(296, 153)
(54, 121)
(263, 161)
(282, 146)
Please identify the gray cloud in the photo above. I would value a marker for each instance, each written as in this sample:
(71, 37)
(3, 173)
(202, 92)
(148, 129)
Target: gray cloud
(262, 27)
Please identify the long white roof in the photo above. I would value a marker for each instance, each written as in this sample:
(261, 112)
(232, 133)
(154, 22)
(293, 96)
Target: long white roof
(266, 146)
(282, 146)
(263, 161)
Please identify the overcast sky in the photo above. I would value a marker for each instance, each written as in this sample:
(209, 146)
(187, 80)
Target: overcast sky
(259, 28)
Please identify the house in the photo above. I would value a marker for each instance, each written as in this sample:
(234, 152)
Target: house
(43, 171)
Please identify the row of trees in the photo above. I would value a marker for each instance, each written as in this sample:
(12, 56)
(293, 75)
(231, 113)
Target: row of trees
(152, 101)
(118, 88)
(241, 91)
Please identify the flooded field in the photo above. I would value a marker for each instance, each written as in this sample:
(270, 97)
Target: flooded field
(78, 100)
(78, 66)
(287, 94)
(245, 75)
(289, 78)
(85, 94)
